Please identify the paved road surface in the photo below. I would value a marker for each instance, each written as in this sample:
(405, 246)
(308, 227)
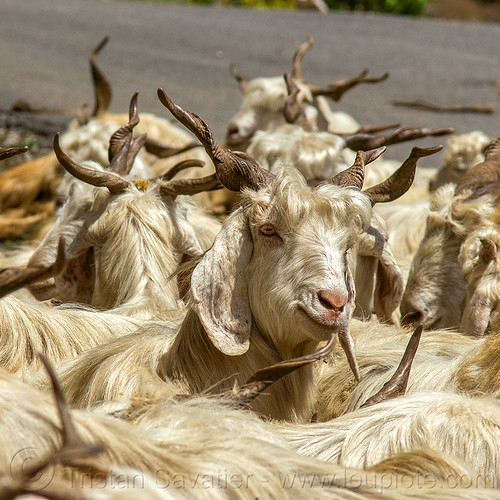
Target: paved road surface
(44, 46)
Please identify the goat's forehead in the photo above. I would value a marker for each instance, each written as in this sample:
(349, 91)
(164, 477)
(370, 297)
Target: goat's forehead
(289, 201)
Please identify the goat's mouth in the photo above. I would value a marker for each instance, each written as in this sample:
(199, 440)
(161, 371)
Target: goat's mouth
(325, 324)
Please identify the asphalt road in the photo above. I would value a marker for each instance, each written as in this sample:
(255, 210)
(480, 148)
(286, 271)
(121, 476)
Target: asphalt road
(187, 50)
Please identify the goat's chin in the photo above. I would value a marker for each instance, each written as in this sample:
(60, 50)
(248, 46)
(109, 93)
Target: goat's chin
(316, 327)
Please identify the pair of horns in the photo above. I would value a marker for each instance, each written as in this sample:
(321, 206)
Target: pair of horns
(335, 89)
(123, 149)
(237, 170)
(117, 185)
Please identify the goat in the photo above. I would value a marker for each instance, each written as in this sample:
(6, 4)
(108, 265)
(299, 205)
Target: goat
(460, 153)
(94, 269)
(436, 291)
(124, 242)
(264, 102)
(229, 324)
(137, 229)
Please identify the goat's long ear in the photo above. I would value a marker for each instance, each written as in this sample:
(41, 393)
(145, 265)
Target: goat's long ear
(389, 285)
(219, 287)
(477, 314)
(76, 282)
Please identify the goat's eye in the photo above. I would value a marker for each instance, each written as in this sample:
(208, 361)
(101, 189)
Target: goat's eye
(268, 230)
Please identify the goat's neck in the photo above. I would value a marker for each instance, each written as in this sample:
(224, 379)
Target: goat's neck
(195, 360)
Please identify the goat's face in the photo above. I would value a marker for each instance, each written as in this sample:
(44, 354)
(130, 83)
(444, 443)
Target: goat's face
(435, 289)
(262, 109)
(280, 262)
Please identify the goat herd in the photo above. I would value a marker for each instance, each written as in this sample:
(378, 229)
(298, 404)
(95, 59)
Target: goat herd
(170, 329)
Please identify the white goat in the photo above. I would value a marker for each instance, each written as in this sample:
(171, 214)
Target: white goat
(278, 277)
(264, 102)
(124, 244)
(436, 291)
(126, 240)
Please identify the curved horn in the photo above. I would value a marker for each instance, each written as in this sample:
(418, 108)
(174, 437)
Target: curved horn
(163, 151)
(396, 386)
(235, 170)
(338, 88)
(10, 152)
(190, 186)
(122, 148)
(265, 377)
(293, 112)
(401, 180)
(347, 345)
(114, 183)
(73, 446)
(484, 175)
(368, 141)
(102, 87)
(172, 172)
(298, 56)
(354, 176)
(242, 80)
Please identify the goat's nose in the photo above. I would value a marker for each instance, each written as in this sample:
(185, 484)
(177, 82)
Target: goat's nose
(411, 315)
(333, 301)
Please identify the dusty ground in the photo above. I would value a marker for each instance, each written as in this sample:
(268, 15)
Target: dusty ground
(39, 136)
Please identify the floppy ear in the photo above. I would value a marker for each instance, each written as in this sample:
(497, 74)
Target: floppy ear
(219, 287)
(77, 280)
(477, 314)
(389, 284)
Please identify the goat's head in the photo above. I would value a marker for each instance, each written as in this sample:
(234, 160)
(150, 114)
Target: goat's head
(262, 109)
(117, 230)
(264, 102)
(435, 290)
(280, 260)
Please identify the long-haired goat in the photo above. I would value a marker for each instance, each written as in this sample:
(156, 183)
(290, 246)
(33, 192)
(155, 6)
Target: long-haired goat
(125, 239)
(264, 102)
(275, 283)
(436, 291)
